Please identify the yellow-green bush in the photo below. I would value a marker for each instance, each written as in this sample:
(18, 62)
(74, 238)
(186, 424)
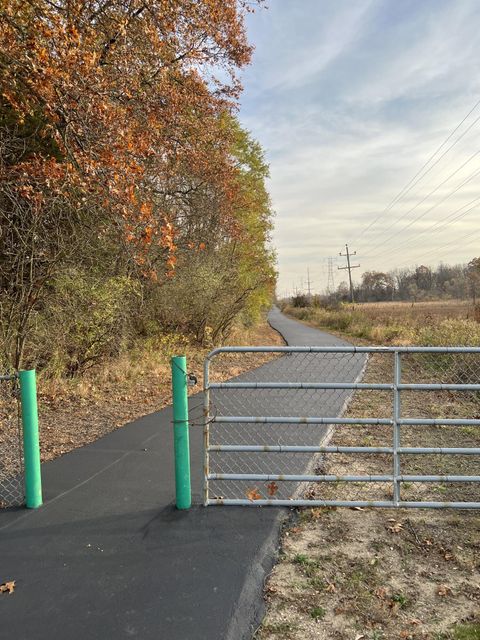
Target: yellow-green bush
(86, 319)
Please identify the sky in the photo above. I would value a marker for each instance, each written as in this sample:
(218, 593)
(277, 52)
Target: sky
(349, 100)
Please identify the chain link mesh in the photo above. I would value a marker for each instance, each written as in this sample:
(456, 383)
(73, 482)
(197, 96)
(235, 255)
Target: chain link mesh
(11, 449)
(348, 367)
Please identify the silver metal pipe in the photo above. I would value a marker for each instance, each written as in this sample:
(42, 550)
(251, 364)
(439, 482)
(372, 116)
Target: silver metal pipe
(418, 422)
(301, 420)
(206, 429)
(439, 387)
(280, 448)
(266, 477)
(342, 349)
(440, 478)
(465, 451)
(344, 503)
(301, 385)
(397, 378)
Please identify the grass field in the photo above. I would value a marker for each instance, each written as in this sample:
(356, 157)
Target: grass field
(431, 309)
(453, 322)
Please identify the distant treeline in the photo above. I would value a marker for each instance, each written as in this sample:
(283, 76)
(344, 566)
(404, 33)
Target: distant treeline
(413, 284)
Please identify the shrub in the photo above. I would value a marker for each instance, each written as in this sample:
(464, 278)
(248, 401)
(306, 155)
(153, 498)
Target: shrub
(86, 319)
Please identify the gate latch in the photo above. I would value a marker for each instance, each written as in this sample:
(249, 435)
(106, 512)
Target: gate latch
(191, 380)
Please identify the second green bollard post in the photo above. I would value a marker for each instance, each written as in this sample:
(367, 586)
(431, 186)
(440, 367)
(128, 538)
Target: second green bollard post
(31, 447)
(181, 439)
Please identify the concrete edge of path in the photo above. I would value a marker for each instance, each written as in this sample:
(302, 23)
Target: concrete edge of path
(250, 607)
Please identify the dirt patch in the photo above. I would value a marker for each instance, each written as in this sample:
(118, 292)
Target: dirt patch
(355, 574)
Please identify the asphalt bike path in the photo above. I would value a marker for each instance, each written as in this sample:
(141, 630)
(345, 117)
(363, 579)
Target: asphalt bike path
(108, 555)
(295, 367)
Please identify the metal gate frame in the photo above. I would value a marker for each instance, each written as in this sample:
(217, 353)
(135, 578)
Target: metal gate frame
(396, 478)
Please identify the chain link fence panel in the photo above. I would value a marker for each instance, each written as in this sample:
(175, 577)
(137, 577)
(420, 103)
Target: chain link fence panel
(331, 425)
(12, 490)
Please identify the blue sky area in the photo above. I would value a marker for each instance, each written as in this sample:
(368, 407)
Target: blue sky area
(349, 99)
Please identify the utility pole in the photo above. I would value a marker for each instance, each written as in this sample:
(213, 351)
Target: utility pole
(349, 267)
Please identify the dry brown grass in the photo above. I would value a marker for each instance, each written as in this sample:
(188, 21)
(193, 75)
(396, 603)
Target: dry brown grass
(76, 412)
(414, 312)
(450, 322)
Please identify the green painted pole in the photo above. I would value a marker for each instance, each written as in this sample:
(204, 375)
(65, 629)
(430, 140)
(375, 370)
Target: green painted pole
(31, 446)
(181, 441)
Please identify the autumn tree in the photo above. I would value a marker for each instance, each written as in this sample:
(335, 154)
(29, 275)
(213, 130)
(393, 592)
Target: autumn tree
(377, 285)
(112, 120)
(222, 272)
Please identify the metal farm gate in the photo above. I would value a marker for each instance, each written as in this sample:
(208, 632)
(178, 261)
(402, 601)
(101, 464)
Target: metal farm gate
(343, 426)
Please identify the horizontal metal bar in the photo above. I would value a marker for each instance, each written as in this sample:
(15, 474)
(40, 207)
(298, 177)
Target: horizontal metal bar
(345, 349)
(440, 478)
(418, 422)
(301, 385)
(300, 420)
(359, 386)
(438, 387)
(265, 477)
(280, 448)
(440, 422)
(342, 503)
(5, 378)
(466, 451)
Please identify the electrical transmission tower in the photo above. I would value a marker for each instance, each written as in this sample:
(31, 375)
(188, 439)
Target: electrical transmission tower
(309, 284)
(331, 279)
(349, 267)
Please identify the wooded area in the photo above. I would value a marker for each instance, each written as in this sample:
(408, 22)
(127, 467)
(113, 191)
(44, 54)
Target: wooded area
(132, 202)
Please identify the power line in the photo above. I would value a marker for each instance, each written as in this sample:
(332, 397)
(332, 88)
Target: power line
(409, 186)
(451, 193)
(436, 226)
(448, 244)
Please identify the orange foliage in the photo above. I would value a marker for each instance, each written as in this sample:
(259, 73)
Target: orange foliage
(123, 90)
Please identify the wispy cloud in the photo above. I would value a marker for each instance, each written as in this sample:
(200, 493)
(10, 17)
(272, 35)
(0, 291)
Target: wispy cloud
(349, 99)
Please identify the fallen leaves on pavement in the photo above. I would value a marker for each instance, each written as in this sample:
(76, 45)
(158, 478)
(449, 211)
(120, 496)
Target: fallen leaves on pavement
(7, 587)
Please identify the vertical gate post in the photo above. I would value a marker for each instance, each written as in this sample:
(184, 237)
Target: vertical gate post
(396, 426)
(206, 428)
(31, 446)
(181, 442)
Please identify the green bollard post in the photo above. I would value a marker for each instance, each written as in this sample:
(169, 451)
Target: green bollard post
(181, 441)
(31, 446)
